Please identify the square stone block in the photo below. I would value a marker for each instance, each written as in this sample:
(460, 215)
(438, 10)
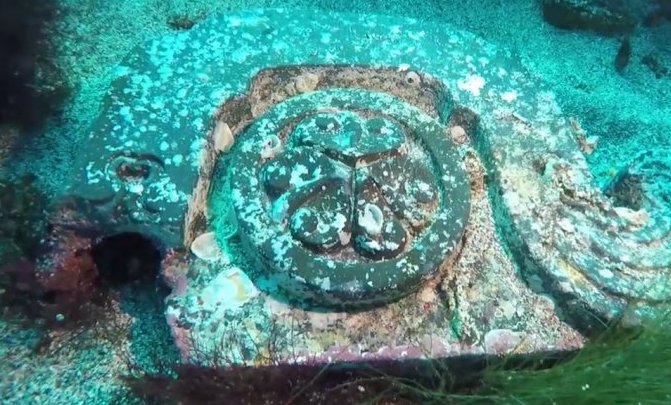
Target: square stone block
(335, 188)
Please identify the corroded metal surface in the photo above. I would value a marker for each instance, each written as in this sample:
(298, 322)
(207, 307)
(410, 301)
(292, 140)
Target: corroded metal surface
(160, 162)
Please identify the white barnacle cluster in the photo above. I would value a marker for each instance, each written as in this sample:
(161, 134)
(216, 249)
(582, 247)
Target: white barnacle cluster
(413, 78)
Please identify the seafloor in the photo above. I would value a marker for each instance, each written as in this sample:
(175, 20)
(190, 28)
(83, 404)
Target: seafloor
(625, 108)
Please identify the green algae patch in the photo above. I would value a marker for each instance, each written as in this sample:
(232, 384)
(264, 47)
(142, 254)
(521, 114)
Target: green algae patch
(622, 366)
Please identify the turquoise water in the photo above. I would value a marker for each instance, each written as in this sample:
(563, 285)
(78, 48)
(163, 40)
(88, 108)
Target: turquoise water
(141, 230)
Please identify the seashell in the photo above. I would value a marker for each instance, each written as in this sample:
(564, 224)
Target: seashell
(223, 137)
(205, 247)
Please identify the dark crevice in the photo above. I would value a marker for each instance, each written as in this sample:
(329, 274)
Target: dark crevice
(126, 258)
(129, 263)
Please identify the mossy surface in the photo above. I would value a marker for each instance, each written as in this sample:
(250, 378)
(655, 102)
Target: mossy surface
(624, 366)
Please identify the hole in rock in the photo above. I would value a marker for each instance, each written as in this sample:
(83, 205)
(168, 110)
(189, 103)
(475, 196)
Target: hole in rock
(49, 297)
(126, 258)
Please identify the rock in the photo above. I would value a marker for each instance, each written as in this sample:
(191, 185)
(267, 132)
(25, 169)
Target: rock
(659, 14)
(607, 17)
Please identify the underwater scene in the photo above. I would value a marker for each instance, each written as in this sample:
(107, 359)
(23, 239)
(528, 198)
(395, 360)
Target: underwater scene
(335, 202)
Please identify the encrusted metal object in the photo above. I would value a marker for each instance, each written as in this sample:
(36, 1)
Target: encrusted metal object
(349, 197)
(407, 170)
